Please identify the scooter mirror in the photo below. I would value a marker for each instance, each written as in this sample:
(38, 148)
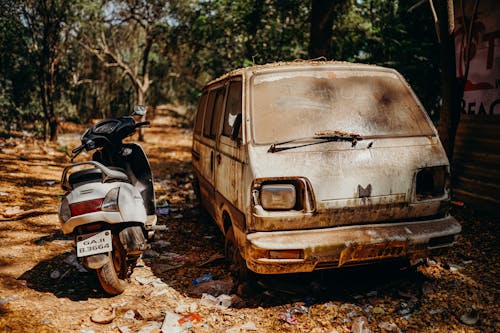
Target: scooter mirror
(139, 110)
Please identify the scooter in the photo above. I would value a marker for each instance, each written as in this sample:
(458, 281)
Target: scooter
(109, 204)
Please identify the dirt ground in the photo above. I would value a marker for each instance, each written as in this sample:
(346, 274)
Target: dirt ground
(43, 289)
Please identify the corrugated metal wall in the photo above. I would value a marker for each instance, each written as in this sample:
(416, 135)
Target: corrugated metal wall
(476, 163)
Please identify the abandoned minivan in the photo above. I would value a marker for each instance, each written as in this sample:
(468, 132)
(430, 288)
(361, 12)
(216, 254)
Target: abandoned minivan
(314, 165)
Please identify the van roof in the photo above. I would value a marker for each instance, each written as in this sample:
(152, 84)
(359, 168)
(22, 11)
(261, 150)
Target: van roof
(293, 64)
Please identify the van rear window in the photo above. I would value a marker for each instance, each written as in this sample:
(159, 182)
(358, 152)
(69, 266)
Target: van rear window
(301, 103)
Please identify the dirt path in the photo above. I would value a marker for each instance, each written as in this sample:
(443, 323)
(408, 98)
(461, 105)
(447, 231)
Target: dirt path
(42, 288)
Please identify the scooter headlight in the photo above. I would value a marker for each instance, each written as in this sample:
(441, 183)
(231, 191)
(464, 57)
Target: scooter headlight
(110, 203)
(64, 211)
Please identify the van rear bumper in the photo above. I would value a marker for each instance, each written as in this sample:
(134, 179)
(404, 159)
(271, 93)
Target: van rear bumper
(279, 252)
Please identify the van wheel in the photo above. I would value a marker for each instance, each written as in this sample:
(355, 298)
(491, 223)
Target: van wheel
(238, 265)
(112, 275)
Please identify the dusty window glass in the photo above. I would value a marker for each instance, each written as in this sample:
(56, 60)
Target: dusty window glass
(233, 108)
(201, 112)
(298, 104)
(207, 120)
(219, 106)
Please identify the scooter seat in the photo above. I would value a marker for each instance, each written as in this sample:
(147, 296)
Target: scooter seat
(90, 175)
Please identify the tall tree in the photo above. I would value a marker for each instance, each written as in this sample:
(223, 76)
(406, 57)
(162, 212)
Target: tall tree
(323, 15)
(126, 40)
(48, 22)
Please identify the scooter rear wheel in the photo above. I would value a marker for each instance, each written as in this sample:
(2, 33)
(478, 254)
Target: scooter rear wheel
(112, 275)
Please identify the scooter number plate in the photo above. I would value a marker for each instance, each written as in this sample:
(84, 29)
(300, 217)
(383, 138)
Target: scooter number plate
(89, 244)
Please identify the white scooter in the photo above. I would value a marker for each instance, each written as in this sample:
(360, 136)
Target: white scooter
(109, 205)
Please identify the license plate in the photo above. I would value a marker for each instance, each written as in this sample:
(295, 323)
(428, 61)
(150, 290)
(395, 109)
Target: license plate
(95, 243)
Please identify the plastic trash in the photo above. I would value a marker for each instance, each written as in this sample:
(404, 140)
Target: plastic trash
(190, 317)
(222, 301)
(288, 318)
(203, 278)
(171, 324)
(360, 325)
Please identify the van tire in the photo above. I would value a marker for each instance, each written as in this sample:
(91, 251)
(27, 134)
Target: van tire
(112, 275)
(238, 265)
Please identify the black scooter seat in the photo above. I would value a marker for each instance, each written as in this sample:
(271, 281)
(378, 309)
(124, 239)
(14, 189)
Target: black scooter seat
(91, 175)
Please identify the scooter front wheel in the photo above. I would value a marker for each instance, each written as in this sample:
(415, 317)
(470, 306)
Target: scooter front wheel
(112, 275)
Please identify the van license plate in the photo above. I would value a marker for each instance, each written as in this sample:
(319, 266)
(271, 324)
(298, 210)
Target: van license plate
(89, 244)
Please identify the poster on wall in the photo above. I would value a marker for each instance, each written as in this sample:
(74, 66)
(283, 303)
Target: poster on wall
(482, 90)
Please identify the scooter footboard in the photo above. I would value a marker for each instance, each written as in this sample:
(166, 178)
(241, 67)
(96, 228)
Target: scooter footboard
(133, 240)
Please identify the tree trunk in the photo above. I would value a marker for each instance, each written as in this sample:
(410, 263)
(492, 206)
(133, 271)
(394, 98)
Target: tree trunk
(449, 115)
(140, 101)
(322, 15)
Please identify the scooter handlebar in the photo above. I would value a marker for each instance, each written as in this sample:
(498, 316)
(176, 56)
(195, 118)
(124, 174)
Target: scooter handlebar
(78, 149)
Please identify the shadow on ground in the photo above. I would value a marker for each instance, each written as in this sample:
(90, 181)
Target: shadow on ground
(63, 277)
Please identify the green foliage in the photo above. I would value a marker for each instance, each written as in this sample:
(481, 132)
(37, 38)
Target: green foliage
(173, 48)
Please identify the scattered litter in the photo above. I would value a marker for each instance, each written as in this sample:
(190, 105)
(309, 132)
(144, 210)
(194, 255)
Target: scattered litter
(390, 327)
(190, 317)
(49, 182)
(4, 301)
(143, 280)
(152, 327)
(213, 287)
(160, 292)
(3, 194)
(455, 268)
(130, 314)
(457, 203)
(171, 324)
(203, 278)
(222, 301)
(470, 317)
(372, 293)
(247, 327)
(185, 308)
(360, 325)
(103, 315)
(288, 318)
(163, 211)
(466, 262)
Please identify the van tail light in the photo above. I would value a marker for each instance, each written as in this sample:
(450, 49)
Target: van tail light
(431, 182)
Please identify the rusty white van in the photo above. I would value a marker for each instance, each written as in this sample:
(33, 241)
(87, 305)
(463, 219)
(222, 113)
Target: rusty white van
(314, 165)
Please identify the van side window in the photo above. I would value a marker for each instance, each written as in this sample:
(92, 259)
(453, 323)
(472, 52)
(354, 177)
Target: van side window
(218, 107)
(207, 121)
(233, 109)
(201, 112)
